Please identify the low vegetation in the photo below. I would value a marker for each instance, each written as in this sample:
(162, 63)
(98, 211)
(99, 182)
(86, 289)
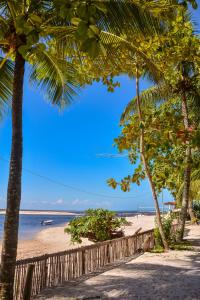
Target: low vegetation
(167, 222)
(97, 225)
(196, 207)
(171, 236)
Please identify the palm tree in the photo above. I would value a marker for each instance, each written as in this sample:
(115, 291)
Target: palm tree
(194, 193)
(26, 32)
(33, 34)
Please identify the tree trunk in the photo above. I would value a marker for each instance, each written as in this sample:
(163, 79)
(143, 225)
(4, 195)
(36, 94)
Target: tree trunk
(191, 213)
(10, 239)
(187, 173)
(146, 167)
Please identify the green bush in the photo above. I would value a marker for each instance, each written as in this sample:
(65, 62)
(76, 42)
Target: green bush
(97, 225)
(196, 208)
(167, 222)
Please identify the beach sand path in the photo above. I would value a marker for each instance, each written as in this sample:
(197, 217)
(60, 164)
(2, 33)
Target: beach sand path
(171, 275)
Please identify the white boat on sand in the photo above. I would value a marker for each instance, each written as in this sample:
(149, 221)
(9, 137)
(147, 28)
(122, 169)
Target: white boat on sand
(46, 222)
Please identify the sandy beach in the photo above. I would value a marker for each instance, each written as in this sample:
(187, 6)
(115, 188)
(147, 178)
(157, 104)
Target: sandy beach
(170, 275)
(54, 239)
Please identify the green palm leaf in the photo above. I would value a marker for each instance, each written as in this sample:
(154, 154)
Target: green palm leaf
(55, 76)
(195, 175)
(6, 80)
(151, 96)
(194, 189)
(129, 15)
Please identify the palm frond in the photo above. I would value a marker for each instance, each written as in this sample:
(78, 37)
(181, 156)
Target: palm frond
(194, 103)
(6, 79)
(195, 175)
(55, 76)
(151, 96)
(194, 191)
(112, 42)
(129, 15)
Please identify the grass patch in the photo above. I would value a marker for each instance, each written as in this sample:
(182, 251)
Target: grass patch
(185, 245)
(181, 246)
(157, 249)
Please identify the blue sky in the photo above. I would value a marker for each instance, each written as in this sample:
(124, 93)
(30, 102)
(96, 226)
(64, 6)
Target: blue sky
(64, 146)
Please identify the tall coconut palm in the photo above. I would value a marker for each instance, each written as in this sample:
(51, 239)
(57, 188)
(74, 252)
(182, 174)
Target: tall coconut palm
(26, 32)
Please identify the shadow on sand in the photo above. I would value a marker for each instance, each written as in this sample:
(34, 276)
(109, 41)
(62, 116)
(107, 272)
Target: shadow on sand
(137, 280)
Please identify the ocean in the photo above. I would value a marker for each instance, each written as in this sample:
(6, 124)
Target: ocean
(30, 225)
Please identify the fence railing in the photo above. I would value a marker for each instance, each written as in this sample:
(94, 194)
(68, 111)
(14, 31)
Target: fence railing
(56, 268)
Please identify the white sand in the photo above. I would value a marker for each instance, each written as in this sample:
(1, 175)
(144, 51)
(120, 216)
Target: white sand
(54, 239)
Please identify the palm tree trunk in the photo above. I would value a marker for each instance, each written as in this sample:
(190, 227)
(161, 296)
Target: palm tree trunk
(10, 239)
(187, 173)
(191, 212)
(146, 167)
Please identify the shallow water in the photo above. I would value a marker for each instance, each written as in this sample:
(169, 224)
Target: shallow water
(30, 225)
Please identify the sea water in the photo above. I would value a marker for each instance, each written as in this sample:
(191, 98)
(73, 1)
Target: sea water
(30, 225)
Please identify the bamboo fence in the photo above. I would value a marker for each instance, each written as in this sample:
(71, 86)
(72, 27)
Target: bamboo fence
(56, 268)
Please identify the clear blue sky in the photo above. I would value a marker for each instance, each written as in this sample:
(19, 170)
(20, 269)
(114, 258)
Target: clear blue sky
(64, 147)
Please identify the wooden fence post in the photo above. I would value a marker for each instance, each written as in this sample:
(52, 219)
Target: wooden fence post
(146, 244)
(83, 262)
(28, 283)
(108, 253)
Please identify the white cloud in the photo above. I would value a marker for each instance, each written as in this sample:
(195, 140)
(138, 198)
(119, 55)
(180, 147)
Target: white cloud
(58, 202)
(90, 203)
(80, 202)
(44, 202)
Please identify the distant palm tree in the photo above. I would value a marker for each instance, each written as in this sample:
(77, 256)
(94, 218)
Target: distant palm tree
(33, 34)
(194, 194)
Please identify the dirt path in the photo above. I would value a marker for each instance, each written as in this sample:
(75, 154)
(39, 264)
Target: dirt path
(173, 275)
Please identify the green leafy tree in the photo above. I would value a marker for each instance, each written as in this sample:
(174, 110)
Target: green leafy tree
(177, 55)
(97, 225)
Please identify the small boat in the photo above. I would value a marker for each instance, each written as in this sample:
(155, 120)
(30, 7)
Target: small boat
(46, 222)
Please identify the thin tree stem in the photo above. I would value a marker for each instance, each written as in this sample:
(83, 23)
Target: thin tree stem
(187, 171)
(146, 167)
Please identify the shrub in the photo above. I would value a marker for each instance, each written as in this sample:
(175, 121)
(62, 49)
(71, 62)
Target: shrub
(97, 225)
(167, 222)
(196, 208)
